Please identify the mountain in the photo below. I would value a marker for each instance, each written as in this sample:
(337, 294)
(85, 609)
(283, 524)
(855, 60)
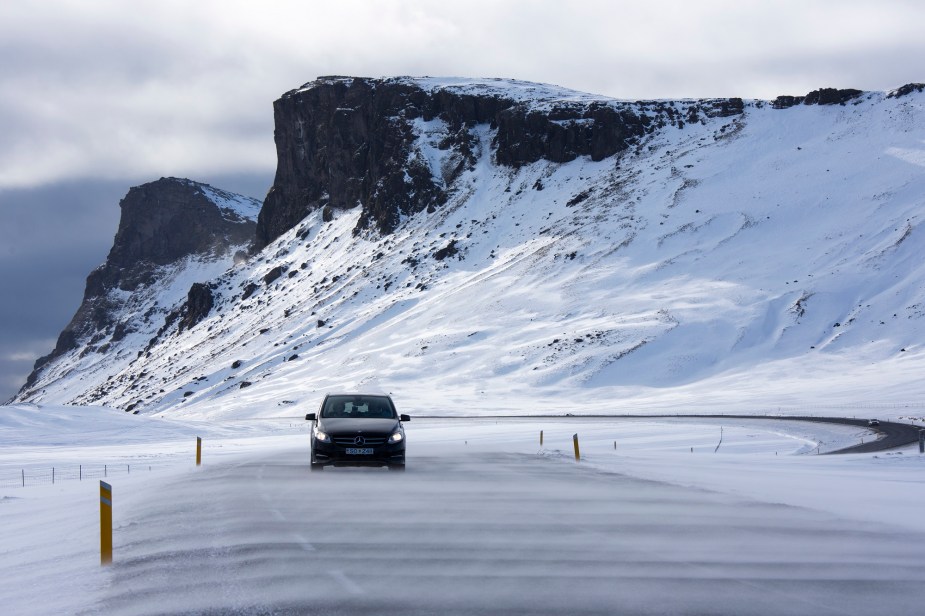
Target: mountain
(497, 245)
(170, 230)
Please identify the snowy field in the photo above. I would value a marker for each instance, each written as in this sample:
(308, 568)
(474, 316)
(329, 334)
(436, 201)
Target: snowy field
(485, 520)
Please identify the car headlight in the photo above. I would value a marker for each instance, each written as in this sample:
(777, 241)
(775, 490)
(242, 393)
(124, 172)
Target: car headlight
(321, 436)
(396, 438)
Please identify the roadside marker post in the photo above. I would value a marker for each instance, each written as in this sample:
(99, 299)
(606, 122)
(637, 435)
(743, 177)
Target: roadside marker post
(105, 523)
(541, 438)
(198, 451)
(577, 452)
(921, 441)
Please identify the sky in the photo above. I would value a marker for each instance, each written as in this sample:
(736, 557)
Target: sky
(99, 96)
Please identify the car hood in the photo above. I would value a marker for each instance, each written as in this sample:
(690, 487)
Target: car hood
(366, 425)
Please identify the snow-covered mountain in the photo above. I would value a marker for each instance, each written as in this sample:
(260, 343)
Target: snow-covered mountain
(500, 246)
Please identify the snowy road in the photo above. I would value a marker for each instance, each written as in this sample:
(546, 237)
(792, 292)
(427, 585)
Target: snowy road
(492, 533)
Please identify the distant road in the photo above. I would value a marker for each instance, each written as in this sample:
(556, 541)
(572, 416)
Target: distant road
(891, 434)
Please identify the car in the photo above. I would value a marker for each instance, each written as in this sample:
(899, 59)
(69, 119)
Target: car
(357, 430)
(873, 422)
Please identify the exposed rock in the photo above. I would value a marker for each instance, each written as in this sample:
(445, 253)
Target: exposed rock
(565, 133)
(906, 90)
(198, 305)
(350, 142)
(447, 251)
(273, 275)
(249, 290)
(823, 96)
(162, 222)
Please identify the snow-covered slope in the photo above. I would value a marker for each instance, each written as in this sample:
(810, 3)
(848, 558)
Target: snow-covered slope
(749, 262)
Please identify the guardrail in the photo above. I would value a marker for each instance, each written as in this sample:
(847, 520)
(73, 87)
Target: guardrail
(35, 475)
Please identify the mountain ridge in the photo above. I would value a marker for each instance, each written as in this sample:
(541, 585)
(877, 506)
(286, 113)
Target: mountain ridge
(162, 223)
(653, 274)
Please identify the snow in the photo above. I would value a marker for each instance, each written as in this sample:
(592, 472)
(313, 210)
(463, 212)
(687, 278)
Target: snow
(534, 94)
(512, 89)
(484, 518)
(234, 207)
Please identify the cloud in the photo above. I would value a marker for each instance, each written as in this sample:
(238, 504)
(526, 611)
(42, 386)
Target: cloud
(111, 89)
(50, 239)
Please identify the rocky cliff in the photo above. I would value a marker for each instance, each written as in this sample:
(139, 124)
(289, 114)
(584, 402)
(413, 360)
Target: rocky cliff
(163, 223)
(345, 142)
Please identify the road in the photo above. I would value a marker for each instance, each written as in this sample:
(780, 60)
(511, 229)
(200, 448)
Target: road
(891, 434)
(494, 534)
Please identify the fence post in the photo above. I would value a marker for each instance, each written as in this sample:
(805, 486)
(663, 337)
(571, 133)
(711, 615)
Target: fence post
(23, 478)
(198, 451)
(575, 443)
(105, 523)
(80, 476)
(541, 438)
(921, 441)
(52, 475)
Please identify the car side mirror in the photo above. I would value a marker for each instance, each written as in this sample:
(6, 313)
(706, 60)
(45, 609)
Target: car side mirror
(310, 417)
(404, 417)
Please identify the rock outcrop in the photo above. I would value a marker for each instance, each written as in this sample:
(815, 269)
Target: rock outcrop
(822, 96)
(162, 222)
(345, 142)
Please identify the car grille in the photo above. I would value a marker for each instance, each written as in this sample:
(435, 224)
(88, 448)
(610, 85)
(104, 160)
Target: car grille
(349, 441)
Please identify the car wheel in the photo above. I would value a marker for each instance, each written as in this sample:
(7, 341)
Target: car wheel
(317, 467)
(396, 467)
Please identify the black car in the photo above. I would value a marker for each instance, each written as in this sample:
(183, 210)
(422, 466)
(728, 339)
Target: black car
(357, 430)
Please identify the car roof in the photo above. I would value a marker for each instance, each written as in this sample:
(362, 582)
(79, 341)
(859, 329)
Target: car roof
(357, 393)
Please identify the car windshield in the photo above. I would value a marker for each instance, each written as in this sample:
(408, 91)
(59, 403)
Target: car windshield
(358, 406)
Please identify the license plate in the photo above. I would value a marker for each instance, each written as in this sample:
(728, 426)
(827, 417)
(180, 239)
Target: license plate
(357, 451)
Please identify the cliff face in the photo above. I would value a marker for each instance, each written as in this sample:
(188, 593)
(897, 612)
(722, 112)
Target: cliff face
(351, 142)
(165, 221)
(162, 223)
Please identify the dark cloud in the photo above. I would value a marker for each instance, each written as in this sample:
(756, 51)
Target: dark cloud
(50, 239)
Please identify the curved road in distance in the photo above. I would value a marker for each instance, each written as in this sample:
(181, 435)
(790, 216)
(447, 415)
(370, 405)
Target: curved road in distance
(891, 434)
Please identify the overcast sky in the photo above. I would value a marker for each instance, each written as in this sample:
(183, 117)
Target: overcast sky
(98, 96)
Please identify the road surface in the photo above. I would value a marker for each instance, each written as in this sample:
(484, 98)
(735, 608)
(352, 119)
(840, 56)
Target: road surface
(493, 534)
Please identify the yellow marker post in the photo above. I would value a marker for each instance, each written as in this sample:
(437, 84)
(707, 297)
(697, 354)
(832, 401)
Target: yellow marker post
(198, 451)
(541, 438)
(575, 443)
(105, 523)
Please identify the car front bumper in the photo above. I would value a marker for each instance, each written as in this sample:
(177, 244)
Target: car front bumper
(334, 454)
